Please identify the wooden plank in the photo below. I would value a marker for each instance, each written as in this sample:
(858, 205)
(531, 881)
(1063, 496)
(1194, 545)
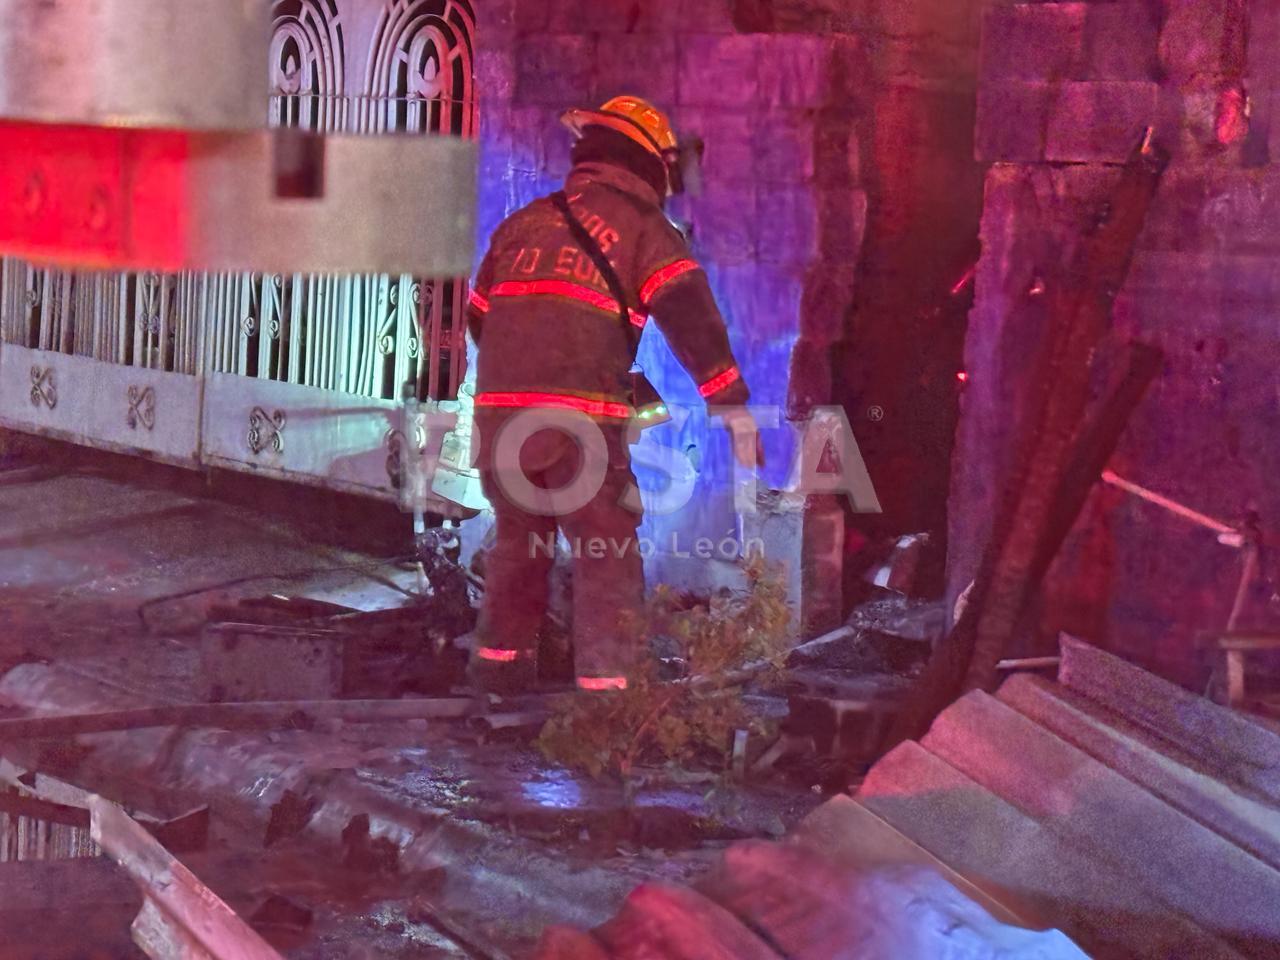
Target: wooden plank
(181, 916)
(230, 716)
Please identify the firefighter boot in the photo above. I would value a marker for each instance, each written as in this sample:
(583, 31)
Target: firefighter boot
(503, 672)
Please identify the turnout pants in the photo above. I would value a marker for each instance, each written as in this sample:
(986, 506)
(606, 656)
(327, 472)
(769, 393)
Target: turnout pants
(608, 572)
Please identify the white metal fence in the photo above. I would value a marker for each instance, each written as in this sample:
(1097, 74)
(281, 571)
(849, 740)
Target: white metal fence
(360, 337)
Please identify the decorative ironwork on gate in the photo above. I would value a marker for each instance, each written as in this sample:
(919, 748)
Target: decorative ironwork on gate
(373, 337)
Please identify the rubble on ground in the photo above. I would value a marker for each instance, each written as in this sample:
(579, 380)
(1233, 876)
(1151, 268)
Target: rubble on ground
(890, 634)
(445, 794)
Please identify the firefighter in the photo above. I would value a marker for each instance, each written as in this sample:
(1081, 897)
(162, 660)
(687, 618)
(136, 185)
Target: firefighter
(555, 350)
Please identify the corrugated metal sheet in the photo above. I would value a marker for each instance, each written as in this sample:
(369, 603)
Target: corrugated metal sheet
(1137, 817)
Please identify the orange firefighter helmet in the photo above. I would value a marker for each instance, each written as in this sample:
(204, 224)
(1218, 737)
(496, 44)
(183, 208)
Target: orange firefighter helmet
(635, 117)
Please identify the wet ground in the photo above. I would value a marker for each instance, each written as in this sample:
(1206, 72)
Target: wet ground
(107, 570)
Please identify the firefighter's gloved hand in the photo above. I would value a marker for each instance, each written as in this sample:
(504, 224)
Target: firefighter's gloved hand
(748, 447)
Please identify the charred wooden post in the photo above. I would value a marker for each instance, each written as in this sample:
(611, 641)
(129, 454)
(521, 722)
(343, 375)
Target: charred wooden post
(1054, 455)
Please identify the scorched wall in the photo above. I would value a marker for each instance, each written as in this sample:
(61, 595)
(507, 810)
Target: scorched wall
(1066, 91)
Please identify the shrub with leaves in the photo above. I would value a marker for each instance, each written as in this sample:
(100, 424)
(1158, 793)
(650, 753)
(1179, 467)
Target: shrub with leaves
(687, 721)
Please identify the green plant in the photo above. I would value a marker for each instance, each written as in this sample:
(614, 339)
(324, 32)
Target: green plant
(683, 721)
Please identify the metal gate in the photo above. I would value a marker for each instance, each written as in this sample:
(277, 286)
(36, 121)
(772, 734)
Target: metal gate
(295, 375)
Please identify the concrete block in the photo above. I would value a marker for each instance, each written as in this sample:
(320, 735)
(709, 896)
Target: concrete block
(496, 28)
(730, 141)
(614, 18)
(718, 71)
(1042, 41)
(1153, 765)
(784, 147)
(1264, 40)
(1238, 215)
(493, 203)
(788, 219)
(693, 16)
(726, 224)
(1023, 864)
(766, 365)
(526, 187)
(810, 383)
(496, 75)
(850, 72)
(775, 292)
(556, 70)
(526, 131)
(1052, 42)
(837, 151)
(494, 131)
(842, 225)
(642, 64)
(828, 298)
(906, 60)
(1212, 882)
(535, 19)
(793, 70)
(1099, 122)
(805, 537)
(557, 146)
(1121, 41)
(532, 16)
(736, 287)
(1012, 117)
(1224, 742)
(849, 723)
(1204, 41)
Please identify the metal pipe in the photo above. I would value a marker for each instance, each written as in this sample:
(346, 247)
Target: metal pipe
(1181, 510)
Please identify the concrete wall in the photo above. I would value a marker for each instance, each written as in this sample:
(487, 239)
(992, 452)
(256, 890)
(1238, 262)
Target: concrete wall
(820, 118)
(1066, 90)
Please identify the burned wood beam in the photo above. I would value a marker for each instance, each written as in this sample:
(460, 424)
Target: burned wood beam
(1083, 297)
(1093, 448)
(1081, 312)
(233, 716)
(955, 660)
